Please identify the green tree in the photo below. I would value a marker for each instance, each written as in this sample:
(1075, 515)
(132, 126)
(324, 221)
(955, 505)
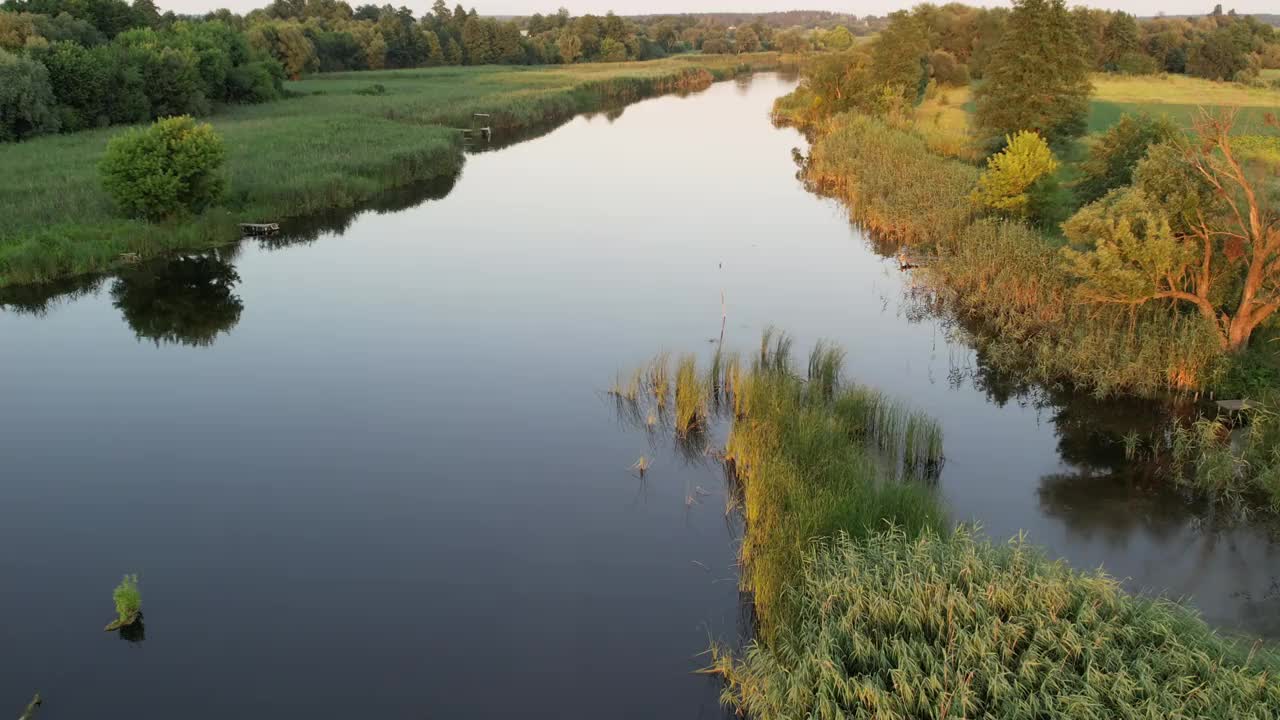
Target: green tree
(173, 166)
(1114, 155)
(898, 56)
(477, 42)
(288, 44)
(837, 38)
(435, 53)
(612, 51)
(1197, 227)
(452, 52)
(570, 46)
(26, 99)
(745, 40)
(1014, 181)
(1037, 78)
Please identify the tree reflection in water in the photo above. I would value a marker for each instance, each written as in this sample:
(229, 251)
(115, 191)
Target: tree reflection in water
(185, 301)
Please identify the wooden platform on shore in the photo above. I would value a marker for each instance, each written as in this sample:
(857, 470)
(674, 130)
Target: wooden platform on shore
(259, 228)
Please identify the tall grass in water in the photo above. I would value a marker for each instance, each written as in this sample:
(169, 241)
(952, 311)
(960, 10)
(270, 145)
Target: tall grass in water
(692, 395)
(897, 624)
(805, 471)
(825, 361)
(1236, 467)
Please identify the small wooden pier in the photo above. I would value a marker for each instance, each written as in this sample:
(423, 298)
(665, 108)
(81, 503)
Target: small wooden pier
(259, 228)
(911, 262)
(480, 128)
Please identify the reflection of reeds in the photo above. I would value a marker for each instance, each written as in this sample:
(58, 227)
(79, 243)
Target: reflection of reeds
(825, 361)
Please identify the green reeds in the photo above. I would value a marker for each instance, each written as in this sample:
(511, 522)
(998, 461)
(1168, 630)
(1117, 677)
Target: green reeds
(825, 361)
(659, 374)
(1237, 467)
(692, 394)
(896, 624)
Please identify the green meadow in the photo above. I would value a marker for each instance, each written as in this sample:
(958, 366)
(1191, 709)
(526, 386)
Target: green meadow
(341, 139)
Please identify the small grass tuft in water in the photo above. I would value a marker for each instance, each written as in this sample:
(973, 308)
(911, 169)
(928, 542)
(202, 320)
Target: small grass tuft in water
(641, 466)
(128, 602)
(825, 361)
(692, 393)
(659, 373)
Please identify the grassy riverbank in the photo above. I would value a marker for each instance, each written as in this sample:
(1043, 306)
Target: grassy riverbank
(909, 179)
(340, 142)
(868, 607)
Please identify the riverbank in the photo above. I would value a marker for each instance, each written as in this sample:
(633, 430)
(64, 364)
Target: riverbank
(346, 138)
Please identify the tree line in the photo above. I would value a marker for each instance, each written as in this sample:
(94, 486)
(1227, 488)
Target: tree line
(68, 65)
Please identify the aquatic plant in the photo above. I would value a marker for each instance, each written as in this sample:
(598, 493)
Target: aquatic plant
(691, 396)
(641, 466)
(128, 602)
(1236, 467)
(825, 361)
(900, 624)
(659, 372)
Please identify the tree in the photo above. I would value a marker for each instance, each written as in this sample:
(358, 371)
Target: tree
(570, 46)
(1114, 156)
(1038, 76)
(1196, 228)
(288, 44)
(1013, 182)
(435, 53)
(452, 53)
(26, 99)
(477, 42)
(898, 56)
(173, 166)
(612, 51)
(745, 40)
(838, 38)
(946, 70)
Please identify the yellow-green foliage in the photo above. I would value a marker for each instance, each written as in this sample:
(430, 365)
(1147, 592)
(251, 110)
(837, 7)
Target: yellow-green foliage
(901, 625)
(1242, 474)
(1012, 174)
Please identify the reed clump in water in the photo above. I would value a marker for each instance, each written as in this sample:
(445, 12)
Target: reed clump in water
(899, 624)
(1239, 467)
(659, 374)
(692, 394)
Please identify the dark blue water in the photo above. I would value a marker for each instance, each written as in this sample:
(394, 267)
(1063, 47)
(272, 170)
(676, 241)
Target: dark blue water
(368, 469)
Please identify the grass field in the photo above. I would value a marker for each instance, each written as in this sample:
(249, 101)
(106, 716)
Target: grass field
(332, 147)
(1179, 97)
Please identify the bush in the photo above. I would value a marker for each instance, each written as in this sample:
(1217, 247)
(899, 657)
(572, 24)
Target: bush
(171, 167)
(26, 99)
(1114, 156)
(1014, 181)
(947, 70)
(935, 626)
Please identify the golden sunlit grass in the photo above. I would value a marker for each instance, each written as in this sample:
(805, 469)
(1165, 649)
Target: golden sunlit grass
(1180, 90)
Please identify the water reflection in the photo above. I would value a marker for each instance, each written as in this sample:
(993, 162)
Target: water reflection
(38, 300)
(186, 300)
(133, 633)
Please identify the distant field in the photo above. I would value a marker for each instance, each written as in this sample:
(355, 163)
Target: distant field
(1177, 97)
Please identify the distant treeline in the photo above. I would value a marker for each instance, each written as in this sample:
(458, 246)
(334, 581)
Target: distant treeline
(67, 65)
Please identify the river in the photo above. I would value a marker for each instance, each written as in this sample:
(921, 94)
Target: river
(368, 469)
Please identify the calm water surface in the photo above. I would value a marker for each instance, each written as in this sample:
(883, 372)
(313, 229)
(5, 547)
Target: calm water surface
(367, 470)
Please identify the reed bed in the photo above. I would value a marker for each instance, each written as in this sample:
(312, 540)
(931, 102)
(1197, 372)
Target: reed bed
(902, 624)
(805, 470)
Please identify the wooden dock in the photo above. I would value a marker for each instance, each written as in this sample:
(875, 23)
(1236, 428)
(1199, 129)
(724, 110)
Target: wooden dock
(259, 228)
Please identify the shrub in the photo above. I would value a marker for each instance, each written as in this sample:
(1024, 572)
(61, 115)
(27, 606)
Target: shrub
(896, 626)
(170, 167)
(1013, 183)
(947, 70)
(128, 599)
(1114, 156)
(26, 99)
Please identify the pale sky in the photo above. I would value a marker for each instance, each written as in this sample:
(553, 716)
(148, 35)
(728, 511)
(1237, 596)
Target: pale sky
(650, 7)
